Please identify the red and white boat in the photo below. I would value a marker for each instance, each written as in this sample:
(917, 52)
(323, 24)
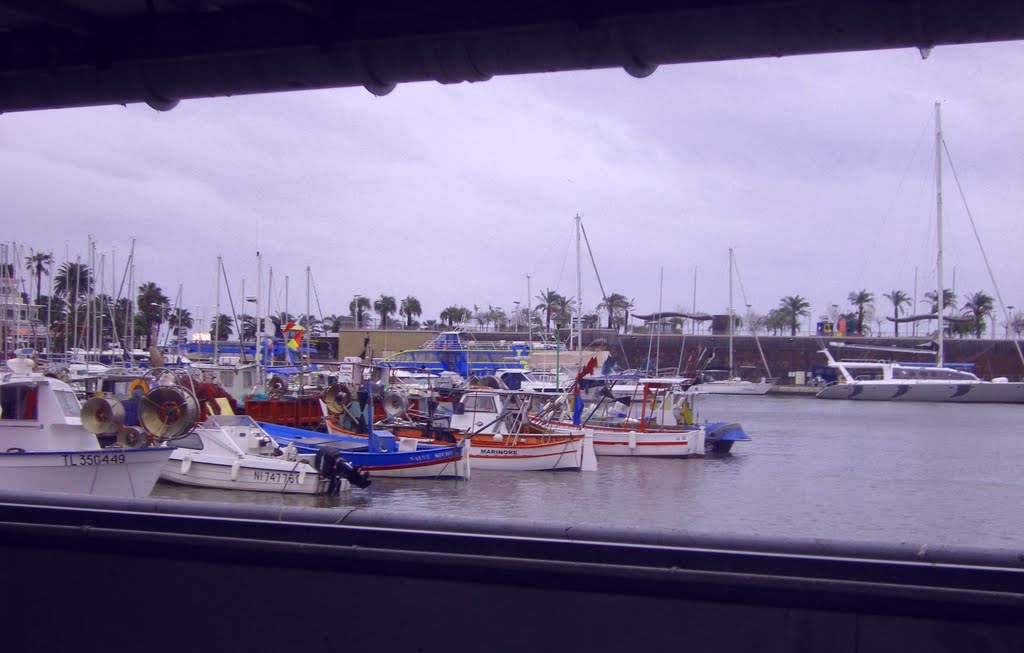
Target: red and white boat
(644, 422)
(501, 436)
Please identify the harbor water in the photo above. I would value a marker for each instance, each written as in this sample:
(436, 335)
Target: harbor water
(940, 474)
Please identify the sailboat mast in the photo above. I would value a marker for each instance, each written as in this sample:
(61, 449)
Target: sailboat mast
(216, 319)
(731, 320)
(941, 296)
(304, 360)
(579, 299)
(259, 329)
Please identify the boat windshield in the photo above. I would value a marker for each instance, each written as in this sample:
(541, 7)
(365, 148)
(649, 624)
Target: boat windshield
(932, 374)
(68, 403)
(222, 421)
(479, 404)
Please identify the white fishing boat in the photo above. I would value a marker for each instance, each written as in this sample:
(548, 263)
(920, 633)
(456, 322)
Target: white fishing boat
(232, 452)
(638, 419)
(46, 449)
(497, 426)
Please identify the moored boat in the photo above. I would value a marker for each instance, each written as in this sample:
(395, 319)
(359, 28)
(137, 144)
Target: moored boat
(502, 436)
(651, 418)
(233, 452)
(382, 454)
(46, 448)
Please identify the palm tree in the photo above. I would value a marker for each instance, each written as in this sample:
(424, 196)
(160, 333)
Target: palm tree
(948, 299)
(247, 330)
(180, 318)
(332, 323)
(979, 304)
(860, 299)
(356, 308)
(385, 306)
(451, 315)
(410, 308)
(73, 282)
(454, 314)
(898, 299)
(39, 264)
(152, 303)
(221, 327)
(563, 309)
(616, 305)
(793, 308)
(549, 300)
(446, 316)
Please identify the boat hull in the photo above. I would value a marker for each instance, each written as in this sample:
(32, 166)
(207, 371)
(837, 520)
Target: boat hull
(106, 472)
(423, 461)
(732, 388)
(611, 441)
(250, 473)
(981, 392)
(560, 453)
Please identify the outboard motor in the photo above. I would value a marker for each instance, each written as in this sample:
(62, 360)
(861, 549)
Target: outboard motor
(333, 467)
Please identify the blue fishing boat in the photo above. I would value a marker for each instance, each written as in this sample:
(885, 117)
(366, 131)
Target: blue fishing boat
(381, 453)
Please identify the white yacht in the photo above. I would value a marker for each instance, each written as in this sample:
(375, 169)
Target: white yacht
(880, 380)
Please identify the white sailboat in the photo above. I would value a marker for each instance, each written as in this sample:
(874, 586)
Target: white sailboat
(732, 384)
(893, 381)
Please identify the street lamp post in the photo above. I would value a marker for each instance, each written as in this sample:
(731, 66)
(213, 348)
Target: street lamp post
(1009, 317)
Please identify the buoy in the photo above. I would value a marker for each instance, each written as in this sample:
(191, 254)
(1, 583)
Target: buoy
(186, 464)
(632, 439)
(235, 467)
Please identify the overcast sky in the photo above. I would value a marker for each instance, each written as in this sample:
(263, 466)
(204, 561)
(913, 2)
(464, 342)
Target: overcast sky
(818, 170)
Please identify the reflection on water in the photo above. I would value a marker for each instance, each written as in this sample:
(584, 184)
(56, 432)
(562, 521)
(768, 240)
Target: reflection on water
(942, 474)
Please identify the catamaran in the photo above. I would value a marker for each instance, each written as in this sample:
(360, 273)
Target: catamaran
(881, 380)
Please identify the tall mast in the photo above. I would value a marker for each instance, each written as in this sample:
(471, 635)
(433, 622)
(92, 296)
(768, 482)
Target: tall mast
(731, 320)
(529, 313)
(259, 330)
(579, 299)
(216, 319)
(307, 325)
(941, 296)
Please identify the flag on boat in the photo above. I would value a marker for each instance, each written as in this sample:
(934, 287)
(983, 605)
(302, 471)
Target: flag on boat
(296, 340)
(577, 408)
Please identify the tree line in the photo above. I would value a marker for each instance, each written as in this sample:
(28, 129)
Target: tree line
(73, 304)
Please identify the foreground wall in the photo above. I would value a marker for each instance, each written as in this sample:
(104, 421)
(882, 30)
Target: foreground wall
(81, 573)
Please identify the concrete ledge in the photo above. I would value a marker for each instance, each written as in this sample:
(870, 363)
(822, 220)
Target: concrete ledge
(376, 580)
